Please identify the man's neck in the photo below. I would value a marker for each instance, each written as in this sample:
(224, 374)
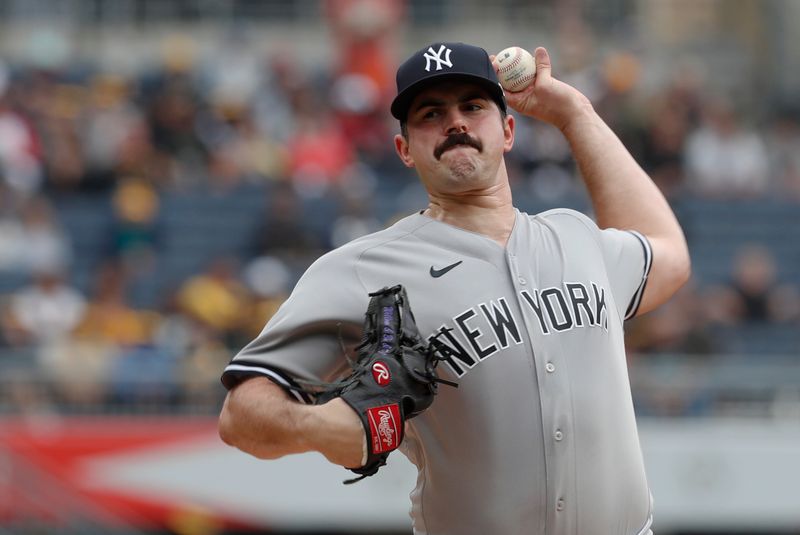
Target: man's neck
(490, 215)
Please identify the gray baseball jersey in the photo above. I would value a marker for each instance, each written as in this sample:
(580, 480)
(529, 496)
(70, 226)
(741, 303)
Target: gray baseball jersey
(540, 436)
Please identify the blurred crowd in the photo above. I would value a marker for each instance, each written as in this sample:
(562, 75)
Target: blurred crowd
(308, 135)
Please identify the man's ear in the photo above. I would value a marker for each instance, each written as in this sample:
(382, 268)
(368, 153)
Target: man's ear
(508, 132)
(401, 146)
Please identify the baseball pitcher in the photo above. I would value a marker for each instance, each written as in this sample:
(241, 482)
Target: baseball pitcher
(521, 315)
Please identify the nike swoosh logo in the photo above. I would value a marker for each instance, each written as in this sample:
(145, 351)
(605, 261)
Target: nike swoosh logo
(436, 273)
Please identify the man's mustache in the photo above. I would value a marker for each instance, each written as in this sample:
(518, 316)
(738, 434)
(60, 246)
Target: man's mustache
(462, 138)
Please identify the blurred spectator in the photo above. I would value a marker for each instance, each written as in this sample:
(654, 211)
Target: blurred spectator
(79, 371)
(244, 150)
(364, 34)
(272, 108)
(232, 73)
(113, 130)
(226, 170)
(685, 90)
(12, 246)
(174, 332)
(547, 167)
(361, 115)
(47, 246)
(45, 312)
(20, 150)
(249, 117)
(355, 220)
(365, 38)
(662, 143)
(680, 326)
(577, 47)
(319, 153)
(198, 370)
(269, 280)
(172, 111)
(172, 116)
(783, 145)
(723, 157)
(217, 299)
(754, 293)
(135, 230)
(58, 123)
(285, 230)
(110, 318)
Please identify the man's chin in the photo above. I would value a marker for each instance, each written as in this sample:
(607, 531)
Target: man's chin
(462, 169)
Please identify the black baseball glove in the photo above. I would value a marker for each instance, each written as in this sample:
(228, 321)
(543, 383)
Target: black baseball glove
(393, 377)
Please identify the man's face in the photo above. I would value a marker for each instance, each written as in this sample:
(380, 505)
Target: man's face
(456, 138)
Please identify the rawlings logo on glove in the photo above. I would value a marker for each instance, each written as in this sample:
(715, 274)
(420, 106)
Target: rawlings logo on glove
(384, 426)
(381, 374)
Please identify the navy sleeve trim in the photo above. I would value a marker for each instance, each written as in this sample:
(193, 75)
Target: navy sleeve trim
(239, 370)
(636, 300)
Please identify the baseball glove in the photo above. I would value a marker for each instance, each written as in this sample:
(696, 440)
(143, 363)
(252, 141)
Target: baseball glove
(392, 379)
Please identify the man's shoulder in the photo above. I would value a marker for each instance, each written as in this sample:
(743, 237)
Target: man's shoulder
(400, 229)
(562, 216)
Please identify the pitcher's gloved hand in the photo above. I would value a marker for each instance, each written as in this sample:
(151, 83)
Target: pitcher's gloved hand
(393, 377)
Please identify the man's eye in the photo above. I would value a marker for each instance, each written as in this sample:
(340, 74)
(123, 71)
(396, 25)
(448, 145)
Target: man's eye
(430, 114)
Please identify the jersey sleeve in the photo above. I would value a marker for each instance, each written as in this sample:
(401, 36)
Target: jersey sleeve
(307, 337)
(626, 254)
(628, 258)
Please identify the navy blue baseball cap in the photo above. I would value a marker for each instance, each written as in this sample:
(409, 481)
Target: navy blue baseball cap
(440, 61)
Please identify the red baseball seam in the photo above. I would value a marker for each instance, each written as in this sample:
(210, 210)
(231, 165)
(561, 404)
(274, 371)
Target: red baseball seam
(514, 62)
(523, 80)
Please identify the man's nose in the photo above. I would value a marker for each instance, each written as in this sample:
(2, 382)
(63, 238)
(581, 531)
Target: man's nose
(456, 123)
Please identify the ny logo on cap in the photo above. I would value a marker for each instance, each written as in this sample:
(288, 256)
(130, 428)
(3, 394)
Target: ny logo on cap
(432, 55)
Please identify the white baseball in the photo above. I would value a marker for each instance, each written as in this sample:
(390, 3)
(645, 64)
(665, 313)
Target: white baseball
(516, 68)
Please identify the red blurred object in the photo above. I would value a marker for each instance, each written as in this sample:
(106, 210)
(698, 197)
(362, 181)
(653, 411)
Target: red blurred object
(48, 472)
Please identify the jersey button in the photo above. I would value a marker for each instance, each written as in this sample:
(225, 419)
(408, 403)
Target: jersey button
(558, 435)
(522, 280)
(550, 367)
(560, 504)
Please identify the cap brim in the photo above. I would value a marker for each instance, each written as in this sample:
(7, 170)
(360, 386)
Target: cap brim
(402, 101)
